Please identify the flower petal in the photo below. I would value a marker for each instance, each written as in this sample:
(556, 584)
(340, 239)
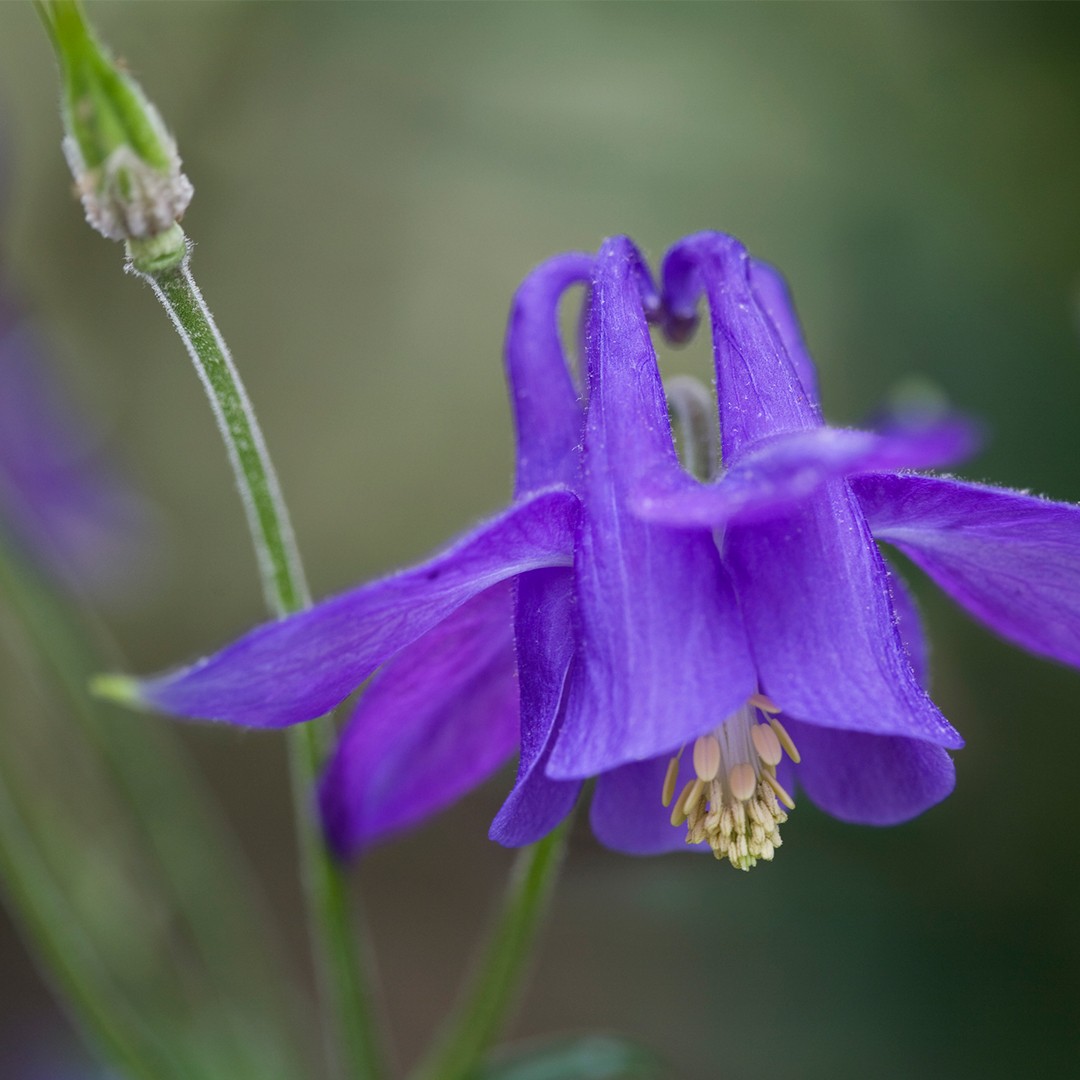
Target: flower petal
(301, 666)
(549, 420)
(777, 473)
(544, 631)
(814, 594)
(870, 779)
(774, 298)
(434, 722)
(627, 814)
(759, 389)
(662, 652)
(909, 624)
(1011, 559)
(775, 449)
(547, 412)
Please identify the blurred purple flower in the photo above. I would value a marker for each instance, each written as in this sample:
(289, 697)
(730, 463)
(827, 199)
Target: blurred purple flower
(31, 1050)
(652, 611)
(58, 498)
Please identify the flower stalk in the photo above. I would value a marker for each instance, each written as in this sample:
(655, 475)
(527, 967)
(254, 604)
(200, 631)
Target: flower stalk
(484, 1005)
(127, 171)
(344, 990)
(280, 570)
(486, 1001)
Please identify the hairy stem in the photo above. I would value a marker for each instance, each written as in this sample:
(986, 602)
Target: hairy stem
(280, 571)
(338, 957)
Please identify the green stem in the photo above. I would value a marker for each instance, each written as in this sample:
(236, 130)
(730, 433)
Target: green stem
(491, 991)
(280, 571)
(338, 957)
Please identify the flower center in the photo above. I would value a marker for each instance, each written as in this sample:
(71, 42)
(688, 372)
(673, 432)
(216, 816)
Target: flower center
(735, 803)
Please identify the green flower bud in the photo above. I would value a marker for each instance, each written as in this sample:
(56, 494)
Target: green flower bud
(125, 164)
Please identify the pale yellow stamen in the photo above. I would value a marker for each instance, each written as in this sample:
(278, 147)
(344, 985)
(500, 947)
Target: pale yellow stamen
(707, 758)
(734, 803)
(671, 778)
(777, 787)
(678, 814)
(697, 787)
(742, 781)
(766, 743)
(764, 703)
(785, 740)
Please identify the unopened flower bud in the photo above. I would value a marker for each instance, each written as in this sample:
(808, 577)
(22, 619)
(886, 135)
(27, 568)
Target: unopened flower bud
(125, 164)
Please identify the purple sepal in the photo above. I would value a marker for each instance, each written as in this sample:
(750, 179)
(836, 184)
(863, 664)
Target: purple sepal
(1011, 559)
(436, 721)
(302, 666)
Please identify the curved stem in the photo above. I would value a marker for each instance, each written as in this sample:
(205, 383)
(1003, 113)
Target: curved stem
(280, 571)
(491, 991)
(344, 990)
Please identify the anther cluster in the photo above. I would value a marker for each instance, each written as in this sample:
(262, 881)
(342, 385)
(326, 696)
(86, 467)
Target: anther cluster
(735, 803)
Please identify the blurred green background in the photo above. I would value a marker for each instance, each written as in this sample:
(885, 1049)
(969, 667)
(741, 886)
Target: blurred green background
(371, 183)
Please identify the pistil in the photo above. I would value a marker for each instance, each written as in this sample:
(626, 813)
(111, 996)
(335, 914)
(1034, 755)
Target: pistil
(735, 803)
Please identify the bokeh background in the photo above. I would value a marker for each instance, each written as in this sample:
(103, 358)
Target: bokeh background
(371, 183)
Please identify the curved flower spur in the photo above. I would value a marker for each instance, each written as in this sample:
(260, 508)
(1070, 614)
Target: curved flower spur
(727, 639)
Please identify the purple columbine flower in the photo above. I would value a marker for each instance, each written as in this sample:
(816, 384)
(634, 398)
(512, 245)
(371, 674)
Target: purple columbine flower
(725, 638)
(58, 498)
